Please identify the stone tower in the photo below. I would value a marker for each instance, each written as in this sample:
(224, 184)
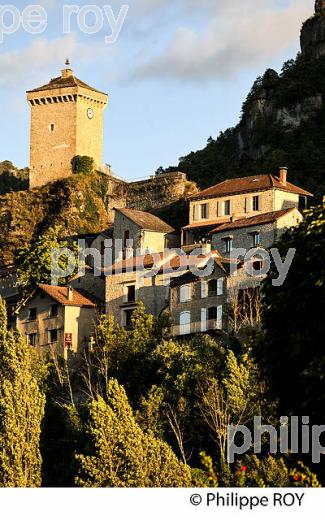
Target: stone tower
(66, 120)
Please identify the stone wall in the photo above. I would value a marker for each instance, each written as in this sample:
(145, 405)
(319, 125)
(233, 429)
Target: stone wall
(151, 291)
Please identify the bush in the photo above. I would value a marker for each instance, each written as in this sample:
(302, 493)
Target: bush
(82, 164)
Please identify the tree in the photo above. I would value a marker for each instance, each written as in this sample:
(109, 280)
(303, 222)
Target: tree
(235, 398)
(35, 260)
(82, 164)
(125, 355)
(291, 347)
(121, 454)
(21, 410)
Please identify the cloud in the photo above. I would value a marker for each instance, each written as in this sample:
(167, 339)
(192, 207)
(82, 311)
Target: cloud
(37, 61)
(237, 35)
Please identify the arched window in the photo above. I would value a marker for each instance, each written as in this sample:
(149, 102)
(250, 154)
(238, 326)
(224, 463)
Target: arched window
(185, 323)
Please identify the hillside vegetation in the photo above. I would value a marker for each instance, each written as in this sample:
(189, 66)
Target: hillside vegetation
(282, 124)
(77, 203)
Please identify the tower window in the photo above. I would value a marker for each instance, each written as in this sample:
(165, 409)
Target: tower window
(52, 127)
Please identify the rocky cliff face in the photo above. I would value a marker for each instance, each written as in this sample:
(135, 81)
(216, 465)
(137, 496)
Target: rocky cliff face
(313, 36)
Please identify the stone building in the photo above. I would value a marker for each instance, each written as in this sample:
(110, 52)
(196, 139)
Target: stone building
(147, 278)
(260, 231)
(197, 304)
(66, 120)
(240, 198)
(58, 319)
(141, 232)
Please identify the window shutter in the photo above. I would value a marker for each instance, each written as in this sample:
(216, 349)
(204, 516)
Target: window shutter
(219, 317)
(185, 323)
(185, 294)
(195, 209)
(204, 289)
(220, 287)
(207, 211)
(203, 320)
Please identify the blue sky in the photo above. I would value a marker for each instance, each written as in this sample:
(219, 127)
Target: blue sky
(178, 72)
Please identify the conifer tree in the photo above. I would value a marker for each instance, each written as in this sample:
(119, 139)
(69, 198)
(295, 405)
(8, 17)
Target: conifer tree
(122, 454)
(21, 410)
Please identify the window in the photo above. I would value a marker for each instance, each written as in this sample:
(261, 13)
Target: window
(52, 127)
(204, 211)
(227, 207)
(203, 320)
(213, 287)
(246, 205)
(32, 339)
(212, 313)
(258, 264)
(185, 323)
(256, 239)
(256, 203)
(228, 244)
(215, 315)
(32, 314)
(130, 295)
(126, 238)
(52, 335)
(204, 289)
(54, 310)
(185, 294)
(128, 318)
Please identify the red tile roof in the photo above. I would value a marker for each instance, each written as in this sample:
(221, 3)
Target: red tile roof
(248, 184)
(60, 294)
(263, 218)
(68, 82)
(167, 262)
(146, 220)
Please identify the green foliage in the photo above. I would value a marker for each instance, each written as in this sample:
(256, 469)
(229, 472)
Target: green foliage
(82, 164)
(243, 151)
(35, 260)
(121, 454)
(21, 410)
(290, 349)
(12, 179)
(124, 354)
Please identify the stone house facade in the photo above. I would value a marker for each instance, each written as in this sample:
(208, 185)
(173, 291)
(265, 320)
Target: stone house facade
(198, 304)
(58, 319)
(238, 199)
(261, 231)
(140, 232)
(147, 279)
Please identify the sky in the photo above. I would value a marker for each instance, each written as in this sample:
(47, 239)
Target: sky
(176, 73)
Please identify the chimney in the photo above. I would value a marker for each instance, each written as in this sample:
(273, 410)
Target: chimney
(283, 173)
(70, 294)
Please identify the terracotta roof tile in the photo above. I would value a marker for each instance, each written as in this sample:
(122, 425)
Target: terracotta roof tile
(146, 221)
(68, 82)
(248, 184)
(263, 218)
(60, 294)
